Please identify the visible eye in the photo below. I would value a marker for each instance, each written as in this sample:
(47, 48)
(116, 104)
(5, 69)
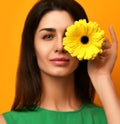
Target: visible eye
(48, 36)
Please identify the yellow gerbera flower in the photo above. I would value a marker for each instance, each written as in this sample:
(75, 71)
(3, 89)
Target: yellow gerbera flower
(84, 40)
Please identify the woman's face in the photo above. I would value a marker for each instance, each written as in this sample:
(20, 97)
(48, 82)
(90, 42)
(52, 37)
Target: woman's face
(52, 59)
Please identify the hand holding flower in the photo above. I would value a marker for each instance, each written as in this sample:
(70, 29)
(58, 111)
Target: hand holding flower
(104, 62)
(86, 41)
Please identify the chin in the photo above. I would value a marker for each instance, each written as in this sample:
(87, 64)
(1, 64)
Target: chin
(62, 74)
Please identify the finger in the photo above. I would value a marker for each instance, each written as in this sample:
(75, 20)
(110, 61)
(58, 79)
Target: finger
(113, 37)
(106, 44)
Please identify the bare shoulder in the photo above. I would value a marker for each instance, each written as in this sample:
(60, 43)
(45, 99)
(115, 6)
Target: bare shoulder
(2, 120)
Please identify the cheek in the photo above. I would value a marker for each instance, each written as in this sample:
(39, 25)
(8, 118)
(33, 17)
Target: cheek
(75, 63)
(40, 54)
(40, 49)
(39, 59)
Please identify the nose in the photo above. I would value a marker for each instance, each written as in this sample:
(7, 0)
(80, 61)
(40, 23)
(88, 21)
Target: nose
(59, 46)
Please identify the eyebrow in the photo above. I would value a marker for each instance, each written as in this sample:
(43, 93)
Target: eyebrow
(48, 29)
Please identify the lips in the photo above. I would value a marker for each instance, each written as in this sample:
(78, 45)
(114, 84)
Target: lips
(60, 61)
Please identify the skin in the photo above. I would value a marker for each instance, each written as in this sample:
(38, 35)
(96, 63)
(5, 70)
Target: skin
(58, 75)
(56, 65)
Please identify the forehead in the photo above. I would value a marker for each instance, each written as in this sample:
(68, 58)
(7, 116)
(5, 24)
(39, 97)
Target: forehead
(56, 18)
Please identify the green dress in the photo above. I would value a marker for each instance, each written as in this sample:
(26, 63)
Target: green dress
(87, 114)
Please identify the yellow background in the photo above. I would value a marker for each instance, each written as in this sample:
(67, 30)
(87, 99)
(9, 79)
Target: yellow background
(12, 17)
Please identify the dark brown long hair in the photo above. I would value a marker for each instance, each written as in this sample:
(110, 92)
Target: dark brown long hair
(28, 81)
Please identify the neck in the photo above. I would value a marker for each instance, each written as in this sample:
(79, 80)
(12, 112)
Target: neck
(58, 93)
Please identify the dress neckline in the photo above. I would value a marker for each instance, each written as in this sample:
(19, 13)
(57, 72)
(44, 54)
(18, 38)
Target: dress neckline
(55, 111)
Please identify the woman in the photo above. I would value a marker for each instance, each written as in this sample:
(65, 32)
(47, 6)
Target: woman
(53, 87)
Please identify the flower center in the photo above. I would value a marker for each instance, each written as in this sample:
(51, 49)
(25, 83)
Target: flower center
(84, 39)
